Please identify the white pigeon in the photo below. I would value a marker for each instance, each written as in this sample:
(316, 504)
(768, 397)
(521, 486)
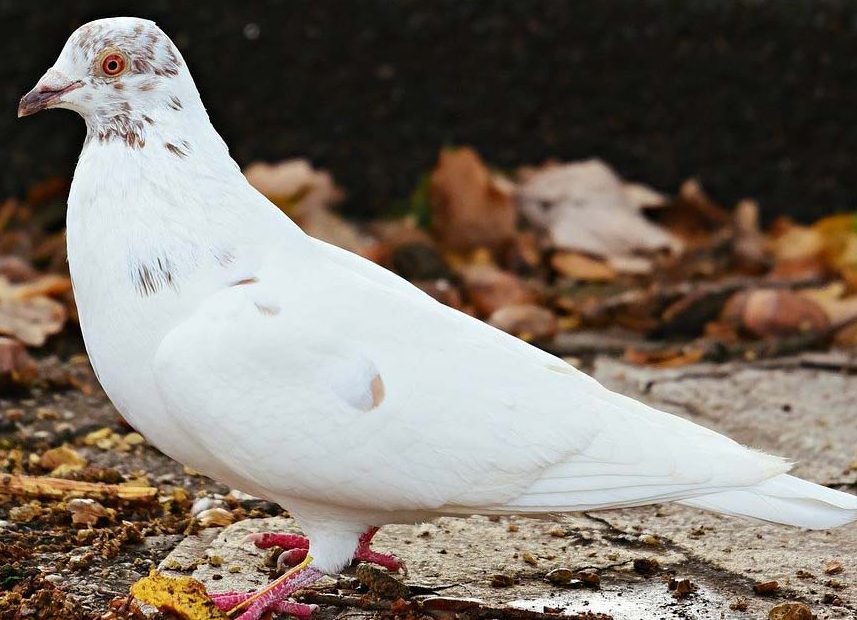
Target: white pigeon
(304, 374)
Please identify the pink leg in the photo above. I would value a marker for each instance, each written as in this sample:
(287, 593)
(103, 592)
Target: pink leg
(295, 549)
(295, 546)
(274, 600)
(365, 553)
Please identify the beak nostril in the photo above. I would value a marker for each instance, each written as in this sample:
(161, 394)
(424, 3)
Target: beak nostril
(45, 95)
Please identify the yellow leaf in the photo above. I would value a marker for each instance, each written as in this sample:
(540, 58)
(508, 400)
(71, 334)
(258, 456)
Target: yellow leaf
(182, 596)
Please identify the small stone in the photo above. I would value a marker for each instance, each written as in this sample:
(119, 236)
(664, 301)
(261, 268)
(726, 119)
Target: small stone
(833, 567)
(134, 439)
(682, 588)
(830, 598)
(766, 588)
(560, 576)
(740, 604)
(512, 527)
(529, 558)
(589, 578)
(62, 457)
(501, 580)
(25, 513)
(651, 540)
(558, 532)
(215, 517)
(790, 611)
(87, 512)
(16, 415)
(202, 504)
(646, 566)
(47, 413)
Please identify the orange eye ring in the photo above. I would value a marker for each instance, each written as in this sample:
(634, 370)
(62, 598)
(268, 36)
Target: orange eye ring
(113, 64)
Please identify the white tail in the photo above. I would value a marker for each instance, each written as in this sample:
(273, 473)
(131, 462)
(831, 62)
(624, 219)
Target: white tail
(784, 499)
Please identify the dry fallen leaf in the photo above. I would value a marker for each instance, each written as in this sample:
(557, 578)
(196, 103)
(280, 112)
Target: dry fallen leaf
(292, 182)
(307, 195)
(182, 596)
(665, 358)
(774, 313)
(584, 207)
(581, 267)
(529, 322)
(15, 362)
(693, 216)
(60, 460)
(26, 311)
(86, 511)
(488, 288)
(471, 208)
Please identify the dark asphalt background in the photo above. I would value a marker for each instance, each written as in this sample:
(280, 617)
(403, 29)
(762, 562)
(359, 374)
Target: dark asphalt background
(756, 98)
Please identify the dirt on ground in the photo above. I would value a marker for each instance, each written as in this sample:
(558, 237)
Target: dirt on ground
(119, 508)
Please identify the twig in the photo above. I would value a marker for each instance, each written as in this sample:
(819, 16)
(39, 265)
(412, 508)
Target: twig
(45, 486)
(666, 294)
(717, 352)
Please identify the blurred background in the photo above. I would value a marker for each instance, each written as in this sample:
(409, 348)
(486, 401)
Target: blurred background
(678, 174)
(754, 98)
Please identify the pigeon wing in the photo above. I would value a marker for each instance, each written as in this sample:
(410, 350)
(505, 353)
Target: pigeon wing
(337, 382)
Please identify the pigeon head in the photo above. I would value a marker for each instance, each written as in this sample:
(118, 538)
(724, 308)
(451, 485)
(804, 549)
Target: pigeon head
(120, 74)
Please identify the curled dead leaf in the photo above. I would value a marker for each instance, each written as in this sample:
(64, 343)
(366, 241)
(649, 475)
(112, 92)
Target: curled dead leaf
(471, 207)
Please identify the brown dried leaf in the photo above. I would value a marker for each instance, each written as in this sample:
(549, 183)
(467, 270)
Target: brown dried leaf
(489, 288)
(581, 267)
(26, 312)
(775, 313)
(16, 364)
(293, 182)
(664, 358)
(182, 596)
(471, 208)
(528, 322)
(693, 215)
(62, 457)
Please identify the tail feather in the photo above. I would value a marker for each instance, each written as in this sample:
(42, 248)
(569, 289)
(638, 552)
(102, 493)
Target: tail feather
(784, 499)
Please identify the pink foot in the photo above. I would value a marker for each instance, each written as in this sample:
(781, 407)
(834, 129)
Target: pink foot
(274, 600)
(365, 553)
(296, 547)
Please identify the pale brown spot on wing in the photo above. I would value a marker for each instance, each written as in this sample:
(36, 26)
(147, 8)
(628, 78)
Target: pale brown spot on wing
(378, 391)
(250, 280)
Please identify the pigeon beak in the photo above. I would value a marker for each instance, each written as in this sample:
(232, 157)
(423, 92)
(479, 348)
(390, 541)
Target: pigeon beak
(48, 92)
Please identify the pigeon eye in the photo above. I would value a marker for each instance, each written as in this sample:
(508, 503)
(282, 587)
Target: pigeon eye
(113, 64)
